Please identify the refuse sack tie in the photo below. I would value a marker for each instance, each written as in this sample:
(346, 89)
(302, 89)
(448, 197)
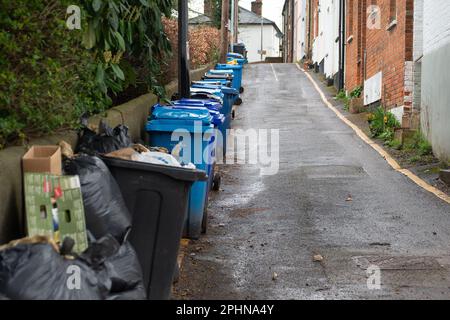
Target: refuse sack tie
(104, 206)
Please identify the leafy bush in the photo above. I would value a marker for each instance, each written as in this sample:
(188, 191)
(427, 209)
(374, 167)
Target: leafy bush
(127, 36)
(342, 96)
(48, 78)
(420, 144)
(47, 81)
(382, 124)
(356, 93)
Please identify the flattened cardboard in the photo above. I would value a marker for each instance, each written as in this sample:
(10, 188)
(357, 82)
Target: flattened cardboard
(39, 190)
(43, 159)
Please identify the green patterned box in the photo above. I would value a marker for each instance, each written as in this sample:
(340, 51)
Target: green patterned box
(40, 188)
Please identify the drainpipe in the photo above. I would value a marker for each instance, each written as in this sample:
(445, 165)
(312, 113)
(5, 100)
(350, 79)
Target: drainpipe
(183, 51)
(232, 25)
(310, 19)
(292, 29)
(341, 44)
(262, 37)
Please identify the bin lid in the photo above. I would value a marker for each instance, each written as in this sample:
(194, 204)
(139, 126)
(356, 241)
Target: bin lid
(224, 67)
(210, 82)
(207, 96)
(235, 55)
(202, 89)
(170, 113)
(202, 102)
(216, 117)
(218, 76)
(223, 89)
(177, 173)
(223, 71)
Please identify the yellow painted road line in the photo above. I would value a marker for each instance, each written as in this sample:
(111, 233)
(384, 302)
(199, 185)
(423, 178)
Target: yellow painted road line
(391, 161)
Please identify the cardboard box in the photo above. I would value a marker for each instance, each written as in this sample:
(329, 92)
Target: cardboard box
(54, 207)
(43, 159)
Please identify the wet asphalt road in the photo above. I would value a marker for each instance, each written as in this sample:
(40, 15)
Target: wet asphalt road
(261, 225)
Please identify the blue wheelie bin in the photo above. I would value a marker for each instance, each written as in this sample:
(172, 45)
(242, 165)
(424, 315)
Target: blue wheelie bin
(195, 129)
(237, 72)
(235, 55)
(241, 62)
(230, 95)
(218, 120)
(226, 72)
(217, 82)
(212, 105)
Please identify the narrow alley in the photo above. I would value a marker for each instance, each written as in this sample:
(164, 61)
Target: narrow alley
(312, 230)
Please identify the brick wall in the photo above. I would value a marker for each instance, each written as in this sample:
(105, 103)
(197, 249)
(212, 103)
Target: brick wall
(390, 50)
(355, 43)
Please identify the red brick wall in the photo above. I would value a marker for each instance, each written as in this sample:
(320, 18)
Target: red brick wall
(386, 50)
(356, 27)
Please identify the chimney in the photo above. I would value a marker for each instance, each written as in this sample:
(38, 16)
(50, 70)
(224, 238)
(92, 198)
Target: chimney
(257, 7)
(208, 8)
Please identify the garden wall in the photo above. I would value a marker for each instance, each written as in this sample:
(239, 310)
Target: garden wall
(133, 114)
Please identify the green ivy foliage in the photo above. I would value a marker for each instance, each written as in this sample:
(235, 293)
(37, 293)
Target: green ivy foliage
(122, 32)
(50, 75)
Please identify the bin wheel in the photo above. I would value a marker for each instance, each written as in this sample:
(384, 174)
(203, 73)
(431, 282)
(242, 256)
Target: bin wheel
(205, 220)
(241, 90)
(217, 180)
(233, 114)
(238, 101)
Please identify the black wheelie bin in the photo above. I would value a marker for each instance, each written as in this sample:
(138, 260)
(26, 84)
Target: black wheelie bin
(157, 197)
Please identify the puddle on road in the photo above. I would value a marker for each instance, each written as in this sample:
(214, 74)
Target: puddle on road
(398, 263)
(241, 196)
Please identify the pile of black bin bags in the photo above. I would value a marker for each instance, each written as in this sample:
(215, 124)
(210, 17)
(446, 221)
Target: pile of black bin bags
(108, 269)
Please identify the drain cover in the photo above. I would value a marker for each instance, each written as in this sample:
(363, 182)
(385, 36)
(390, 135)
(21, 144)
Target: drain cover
(398, 263)
(333, 172)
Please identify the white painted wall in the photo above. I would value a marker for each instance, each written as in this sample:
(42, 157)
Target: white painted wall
(325, 46)
(417, 53)
(250, 35)
(300, 29)
(436, 24)
(435, 95)
(196, 8)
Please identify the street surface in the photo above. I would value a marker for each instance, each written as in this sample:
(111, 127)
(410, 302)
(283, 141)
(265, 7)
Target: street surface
(334, 197)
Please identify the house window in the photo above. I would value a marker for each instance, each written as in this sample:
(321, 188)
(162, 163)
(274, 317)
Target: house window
(392, 15)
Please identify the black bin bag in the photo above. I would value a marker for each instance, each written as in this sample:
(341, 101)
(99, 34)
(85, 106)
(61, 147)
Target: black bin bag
(105, 209)
(122, 266)
(106, 271)
(38, 272)
(106, 141)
